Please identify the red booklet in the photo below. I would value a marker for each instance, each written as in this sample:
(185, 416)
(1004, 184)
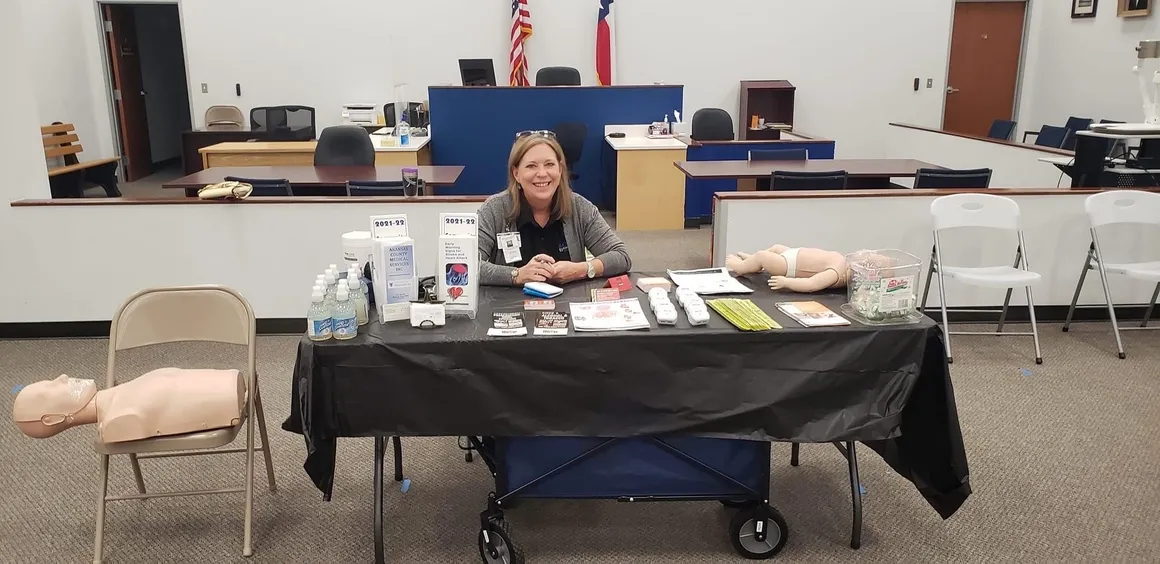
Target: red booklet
(620, 283)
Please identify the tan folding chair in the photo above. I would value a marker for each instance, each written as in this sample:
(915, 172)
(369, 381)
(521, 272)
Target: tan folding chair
(224, 118)
(182, 314)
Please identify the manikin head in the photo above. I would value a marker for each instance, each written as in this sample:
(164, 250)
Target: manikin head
(48, 407)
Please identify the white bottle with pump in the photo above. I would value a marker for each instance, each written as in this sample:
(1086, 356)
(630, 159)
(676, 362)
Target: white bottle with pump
(344, 324)
(318, 317)
(361, 308)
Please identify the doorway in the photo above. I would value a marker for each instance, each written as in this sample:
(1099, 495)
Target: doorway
(983, 77)
(150, 90)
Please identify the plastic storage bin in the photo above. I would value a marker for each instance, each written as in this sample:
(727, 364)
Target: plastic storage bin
(882, 286)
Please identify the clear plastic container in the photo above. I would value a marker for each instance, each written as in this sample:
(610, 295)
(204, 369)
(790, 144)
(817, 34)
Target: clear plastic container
(882, 287)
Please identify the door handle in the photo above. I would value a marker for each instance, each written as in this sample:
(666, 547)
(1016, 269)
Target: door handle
(952, 90)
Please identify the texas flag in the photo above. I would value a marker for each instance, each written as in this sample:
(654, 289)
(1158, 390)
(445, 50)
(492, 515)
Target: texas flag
(605, 44)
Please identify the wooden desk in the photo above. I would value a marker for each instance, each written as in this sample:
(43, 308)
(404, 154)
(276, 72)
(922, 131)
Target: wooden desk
(863, 173)
(650, 195)
(312, 180)
(301, 153)
(194, 141)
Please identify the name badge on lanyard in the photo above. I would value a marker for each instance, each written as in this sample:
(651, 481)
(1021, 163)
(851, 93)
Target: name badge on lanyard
(509, 243)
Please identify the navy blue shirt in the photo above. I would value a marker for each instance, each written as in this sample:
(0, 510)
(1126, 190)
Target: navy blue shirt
(535, 240)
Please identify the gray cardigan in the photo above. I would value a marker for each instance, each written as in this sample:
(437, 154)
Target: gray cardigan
(585, 229)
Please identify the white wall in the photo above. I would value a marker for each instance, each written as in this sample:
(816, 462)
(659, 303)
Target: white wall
(163, 76)
(853, 61)
(1083, 67)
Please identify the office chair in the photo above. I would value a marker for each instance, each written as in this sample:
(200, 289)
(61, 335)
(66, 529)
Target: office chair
(824, 180)
(712, 124)
(557, 76)
(1001, 129)
(947, 178)
(284, 123)
(776, 155)
(374, 188)
(1052, 136)
(1075, 125)
(389, 115)
(344, 145)
(265, 186)
(224, 118)
(780, 155)
(570, 135)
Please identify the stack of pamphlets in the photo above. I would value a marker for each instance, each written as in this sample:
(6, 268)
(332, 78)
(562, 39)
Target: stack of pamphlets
(620, 315)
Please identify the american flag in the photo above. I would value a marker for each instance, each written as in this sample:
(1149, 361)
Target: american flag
(521, 31)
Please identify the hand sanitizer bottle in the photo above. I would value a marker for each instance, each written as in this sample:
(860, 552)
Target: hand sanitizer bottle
(344, 324)
(318, 317)
(362, 311)
(331, 289)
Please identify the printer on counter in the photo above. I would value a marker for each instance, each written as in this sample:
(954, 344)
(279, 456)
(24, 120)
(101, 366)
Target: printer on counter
(359, 114)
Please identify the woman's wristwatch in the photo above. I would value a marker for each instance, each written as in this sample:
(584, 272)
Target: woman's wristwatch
(591, 270)
(515, 275)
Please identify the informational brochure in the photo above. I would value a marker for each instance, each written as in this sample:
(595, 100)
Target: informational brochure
(507, 324)
(620, 315)
(708, 281)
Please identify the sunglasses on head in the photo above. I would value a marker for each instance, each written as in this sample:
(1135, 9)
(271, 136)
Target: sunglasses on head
(541, 132)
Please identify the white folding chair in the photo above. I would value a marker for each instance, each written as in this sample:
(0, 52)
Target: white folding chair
(1119, 207)
(981, 210)
(181, 314)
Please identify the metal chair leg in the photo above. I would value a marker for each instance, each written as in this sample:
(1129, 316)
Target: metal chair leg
(942, 297)
(247, 530)
(856, 496)
(395, 442)
(1034, 326)
(1111, 310)
(793, 454)
(929, 275)
(137, 473)
(1007, 300)
(265, 439)
(1087, 264)
(1151, 306)
(98, 542)
(380, 451)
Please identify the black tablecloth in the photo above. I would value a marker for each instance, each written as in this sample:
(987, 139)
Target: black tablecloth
(888, 387)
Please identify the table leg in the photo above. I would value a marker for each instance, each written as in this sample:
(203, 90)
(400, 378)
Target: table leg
(380, 450)
(191, 192)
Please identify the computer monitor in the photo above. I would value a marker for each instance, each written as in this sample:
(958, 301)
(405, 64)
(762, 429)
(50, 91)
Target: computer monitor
(477, 72)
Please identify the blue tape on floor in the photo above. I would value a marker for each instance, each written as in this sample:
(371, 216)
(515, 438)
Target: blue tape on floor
(406, 485)
(1025, 371)
(861, 489)
(16, 389)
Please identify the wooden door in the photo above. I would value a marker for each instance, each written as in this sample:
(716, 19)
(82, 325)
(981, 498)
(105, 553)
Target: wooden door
(986, 44)
(129, 94)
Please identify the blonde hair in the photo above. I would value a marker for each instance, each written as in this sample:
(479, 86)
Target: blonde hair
(562, 200)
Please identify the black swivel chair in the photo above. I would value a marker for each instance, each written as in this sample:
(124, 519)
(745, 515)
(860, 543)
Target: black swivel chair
(776, 155)
(1001, 129)
(265, 186)
(284, 123)
(1052, 136)
(557, 76)
(825, 180)
(344, 145)
(949, 178)
(374, 188)
(571, 136)
(389, 115)
(712, 124)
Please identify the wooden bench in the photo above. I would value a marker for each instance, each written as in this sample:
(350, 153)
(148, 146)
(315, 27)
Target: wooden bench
(68, 181)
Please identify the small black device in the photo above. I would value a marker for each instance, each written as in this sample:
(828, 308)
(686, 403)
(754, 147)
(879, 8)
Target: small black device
(617, 135)
(477, 72)
(427, 291)
(1148, 155)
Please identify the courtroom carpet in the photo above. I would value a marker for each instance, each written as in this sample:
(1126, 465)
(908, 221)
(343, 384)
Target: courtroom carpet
(1062, 462)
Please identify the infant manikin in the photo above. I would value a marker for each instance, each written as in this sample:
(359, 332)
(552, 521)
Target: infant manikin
(798, 269)
(166, 401)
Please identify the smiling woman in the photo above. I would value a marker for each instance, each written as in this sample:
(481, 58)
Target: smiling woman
(537, 229)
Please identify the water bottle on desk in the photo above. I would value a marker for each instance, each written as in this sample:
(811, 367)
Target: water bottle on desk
(403, 132)
(344, 323)
(318, 316)
(362, 313)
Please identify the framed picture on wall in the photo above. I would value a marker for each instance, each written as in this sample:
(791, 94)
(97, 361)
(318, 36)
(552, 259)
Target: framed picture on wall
(1083, 8)
(1134, 8)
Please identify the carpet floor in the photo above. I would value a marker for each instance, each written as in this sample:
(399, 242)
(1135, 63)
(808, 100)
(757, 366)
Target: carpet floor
(1060, 458)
